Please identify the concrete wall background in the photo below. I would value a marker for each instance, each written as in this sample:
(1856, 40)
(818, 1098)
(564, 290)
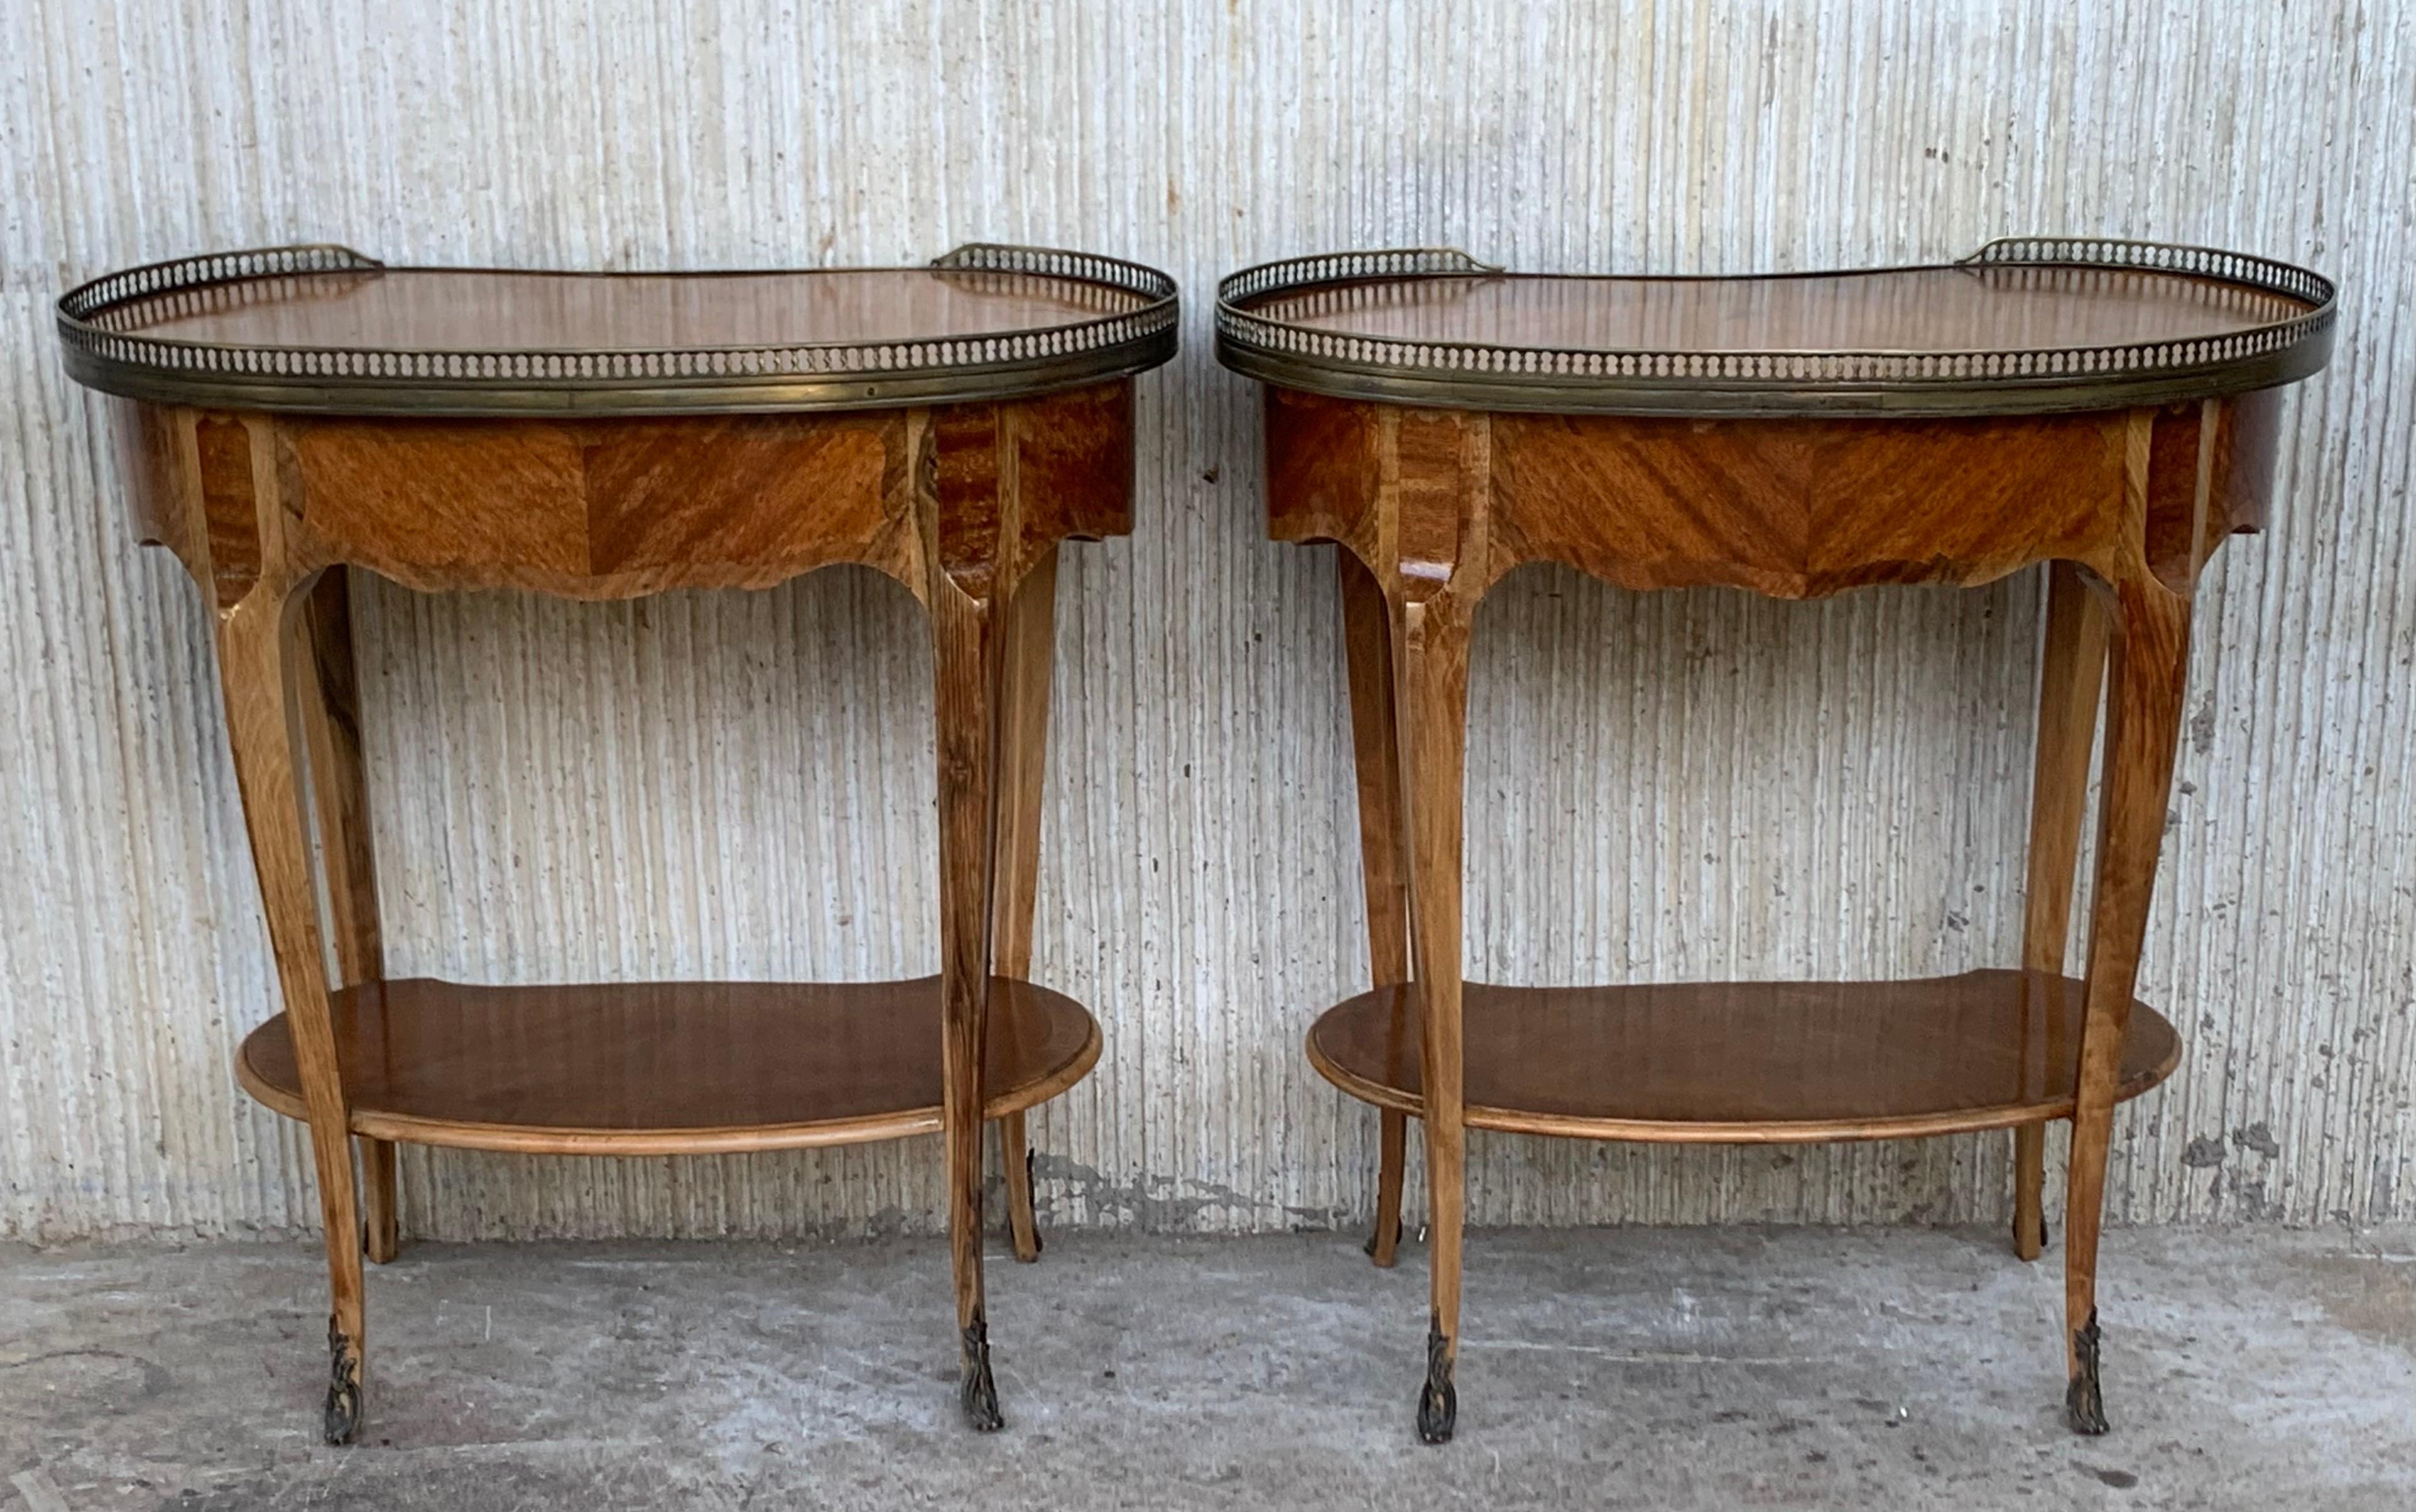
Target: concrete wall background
(1688, 784)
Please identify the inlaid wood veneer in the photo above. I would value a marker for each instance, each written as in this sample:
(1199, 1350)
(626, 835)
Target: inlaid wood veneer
(2109, 410)
(295, 413)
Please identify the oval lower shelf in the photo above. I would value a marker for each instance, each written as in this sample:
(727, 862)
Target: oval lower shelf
(666, 1068)
(1746, 1062)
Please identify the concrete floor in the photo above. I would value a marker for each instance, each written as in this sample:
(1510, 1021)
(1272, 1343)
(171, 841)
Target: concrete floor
(1730, 1368)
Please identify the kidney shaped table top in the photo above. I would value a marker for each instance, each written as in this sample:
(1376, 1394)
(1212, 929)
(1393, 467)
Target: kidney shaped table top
(299, 409)
(2107, 407)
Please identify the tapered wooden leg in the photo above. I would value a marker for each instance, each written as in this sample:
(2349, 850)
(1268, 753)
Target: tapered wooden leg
(966, 654)
(328, 690)
(2150, 652)
(1022, 763)
(1015, 1169)
(1432, 708)
(1391, 1159)
(382, 1238)
(2030, 1191)
(1368, 631)
(2071, 680)
(266, 728)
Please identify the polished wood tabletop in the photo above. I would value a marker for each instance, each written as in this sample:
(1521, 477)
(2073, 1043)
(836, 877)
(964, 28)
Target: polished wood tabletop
(1979, 308)
(2108, 409)
(291, 413)
(326, 329)
(481, 309)
(2023, 325)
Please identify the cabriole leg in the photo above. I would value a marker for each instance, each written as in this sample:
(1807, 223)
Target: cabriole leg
(966, 654)
(2150, 654)
(328, 690)
(1433, 710)
(2070, 678)
(1368, 633)
(265, 729)
(1023, 764)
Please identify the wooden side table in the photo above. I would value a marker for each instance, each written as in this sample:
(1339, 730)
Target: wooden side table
(2109, 408)
(303, 408)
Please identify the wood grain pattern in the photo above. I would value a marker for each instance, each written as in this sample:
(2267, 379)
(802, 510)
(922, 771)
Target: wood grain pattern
(658, 494)
(263, 506)
(1438, 477)
(156, 456)
(2148, 669)
(266, 730)
(968, 518)
(1432, 710)
(329, 694)
(964, 487)
(1787, 508)
(1325, 471)
(1650, 137)
(1367, 636)
(2235, 474)
(1023, 763)
(965, 653)
(1934, 309)
(413, 500)
(534, 311)
(221, 489)
(666, 1068)
(2071, 681)
(1074, 466)
(608, 509)
(1439, 505)
(1746, 1062)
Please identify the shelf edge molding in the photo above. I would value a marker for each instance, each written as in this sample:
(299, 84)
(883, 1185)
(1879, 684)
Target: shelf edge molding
(666, 1067)
(1781, 1062)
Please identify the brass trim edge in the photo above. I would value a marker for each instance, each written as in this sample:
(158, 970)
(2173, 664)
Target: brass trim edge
(1474, 375)
(720, 380)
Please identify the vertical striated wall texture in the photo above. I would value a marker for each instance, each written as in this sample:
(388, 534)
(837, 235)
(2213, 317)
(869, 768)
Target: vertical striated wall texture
(1686, 785)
